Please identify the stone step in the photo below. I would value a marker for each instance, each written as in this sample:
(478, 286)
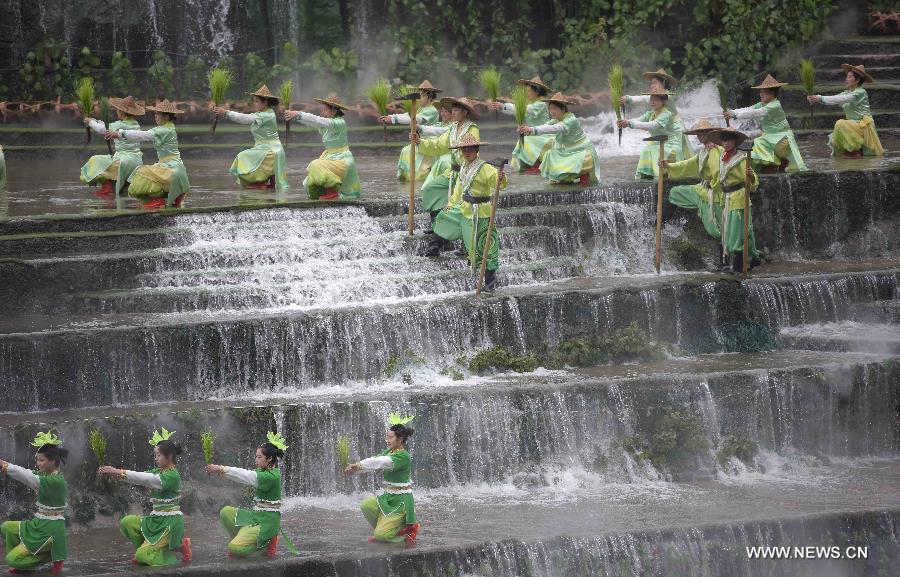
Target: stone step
(880, 312)
(844, 336)
(862, 45)
(881, 74)
(834, 61)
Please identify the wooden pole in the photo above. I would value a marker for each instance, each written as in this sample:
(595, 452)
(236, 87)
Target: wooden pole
(657, 261)
(746, 265)
(490, 232)
(412, 167)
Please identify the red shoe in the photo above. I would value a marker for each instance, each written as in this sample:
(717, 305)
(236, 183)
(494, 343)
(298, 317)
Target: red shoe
(854, 154)
(155, 203)
(57, 567)
(12, 570)
(411, 532)
(179, 201)
(106, 189)
(330, 194)
(258, 185)
(270, 550)
(534, 168)
(584, 179)
(784, 165)
(271, 182)
(134, 561)
(372, 540)
(186, 552)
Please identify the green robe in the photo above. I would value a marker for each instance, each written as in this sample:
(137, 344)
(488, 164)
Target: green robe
(337, 147)
(857, 110)
(530, 148)
(666, 123)
(48, 522)
(169, 171)
(775, 128)
(428, 116)
(128, 153)
(265, 140)
(672, 105)
(438, 186)
(401, 474)
(166, 514)
(706, 197)
(266, 511)
(571, 151)
(731, 174)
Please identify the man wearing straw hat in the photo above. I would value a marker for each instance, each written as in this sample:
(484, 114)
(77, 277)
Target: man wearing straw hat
(855, 135)
(776, 149)
(732, 181)
(529, 151)
(427, 115)
(468, 211)
(706, 197)
(333, 175)
(106, 169)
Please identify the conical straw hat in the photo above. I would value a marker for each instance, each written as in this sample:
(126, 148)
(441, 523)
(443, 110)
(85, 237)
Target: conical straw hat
(701, 127)
(165, 106)
(860, 69)
(661, 73)
(128, 105)
(770, 82)
(535, 82)
(448, 101)
(559, 98)
(469, 140)
(263, 92)
(332, 101)
(429, 87)
(716, 135)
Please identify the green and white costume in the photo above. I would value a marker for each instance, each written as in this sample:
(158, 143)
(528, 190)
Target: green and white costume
(428, 116)
(777, 141)
(266, 158)
(41, 539)
(671, 104)
(535, 145)
(441, 179)
(706, 197)
(857, 130)
(731, 180)
(388, 512)
(118, 167)
(571, 154)
(168, 177)
(251, 530)
(156, 535)
(335, 168)
(664, 122)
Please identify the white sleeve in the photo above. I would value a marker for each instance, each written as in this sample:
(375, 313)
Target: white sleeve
(837, 99)
(401, 118)
(432, 130)
(642, 125)
(98, 126)
(549, 128)
(751, 134)
(242, 476)
(749, 112)
(637, 99)
(142, 135)
(508, 108)
(313, 120)
(24, 476)
(241, 118)
(376, 463)
(143, 479)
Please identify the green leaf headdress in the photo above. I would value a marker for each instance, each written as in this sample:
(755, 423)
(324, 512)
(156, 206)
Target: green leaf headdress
(47, 438)
(158, 437)
(398, 419)
(276, 440)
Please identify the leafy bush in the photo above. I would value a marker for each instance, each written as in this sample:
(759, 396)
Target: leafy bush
(671, 438)
(121, 75)
(160, 77)
(88, 63)
(193, 78)
(256, 73)
(499, 358)
(288, 62)
(743, 449)
(45, 72)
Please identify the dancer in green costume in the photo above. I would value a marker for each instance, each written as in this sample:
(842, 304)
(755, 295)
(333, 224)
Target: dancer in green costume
(262, 166)
(662, 81)
(392, 514)
(157, 536)
(427, 115)
(333, 175)
(658, 121)
(776, 148)
(855, 135)
(254, 531)
(530, 150)
(112, 172)
(42, 539)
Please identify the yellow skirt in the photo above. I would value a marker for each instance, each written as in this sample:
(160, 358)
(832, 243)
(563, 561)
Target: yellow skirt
(263, 172)
(853, 135)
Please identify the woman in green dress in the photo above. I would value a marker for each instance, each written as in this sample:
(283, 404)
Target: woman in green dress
(776, 148)
(572, 157)
(253, 531)
(855, 135)
(530, 150)
(158, 536)
(333, 175)
(112, 172)
(164, 184)
(392, 514)
(42, 539)
(427, 115)
(662, 81)
(262, 166)
(658, 121)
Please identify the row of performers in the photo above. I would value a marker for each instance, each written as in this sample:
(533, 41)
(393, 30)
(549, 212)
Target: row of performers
(159, 537)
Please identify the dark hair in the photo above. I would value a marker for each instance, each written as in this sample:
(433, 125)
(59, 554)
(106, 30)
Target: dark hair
(431, 94)
(271, 452)
(774, 90)
(337, 111)
(540, 90)
(728, 136)
(859, 76)
(563, 107)
(663, 97)
(171, 116)
(170, 449)
(403, 432)
(54, 453)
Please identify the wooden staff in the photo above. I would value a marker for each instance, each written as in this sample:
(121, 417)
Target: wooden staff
(746, 146)
(490, 230)
(661, 139)
(414, 97)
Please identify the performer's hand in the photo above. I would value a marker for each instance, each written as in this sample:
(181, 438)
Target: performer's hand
(220, 111)
(749, 172)
(622, 123)
(87, 120)
(813, 99)
(218, 469)
(494, 105)
(107, 470)
(414, 137)
(623, 100)
(111, 134)
(386, 119)
(526, 130)
(663, 163)
(728, 114)
(501, 174)
(352, 468)
(3, 465)
(291, 114)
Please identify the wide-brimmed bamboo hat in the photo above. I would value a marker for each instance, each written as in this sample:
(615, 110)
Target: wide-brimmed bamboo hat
(468, 140)
(128, 105)
(657, 92)
(716, 135)
(429, 87)
(559, 98)
(662, 74)
(332, 101)
(770, 82)
(448, 101)
(165, 106)
(535, 82)
(701, 127)
(264, 92)
(860, 69)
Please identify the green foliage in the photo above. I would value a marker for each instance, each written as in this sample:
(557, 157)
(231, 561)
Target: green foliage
(343, 451)
(490, 83)
(256, 73)
(399, 364)
(288, 62)
(121, 75)
(84, 95)
(219, 80)
(160, 77)
(339, 62)
(742, 448)
(88, 63)
(285, 92)
(98, 445)
(193, 77)
(628, 344)
(402, 90)
(45, 72)
(670, 438)
(104, 110)
(616, 85)
(808, 76)
(454, 373)
(576, 353)
(520, 101)
(207, 439)
(685, 254)
(379, 94)
(723, 94)
(499, 358)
